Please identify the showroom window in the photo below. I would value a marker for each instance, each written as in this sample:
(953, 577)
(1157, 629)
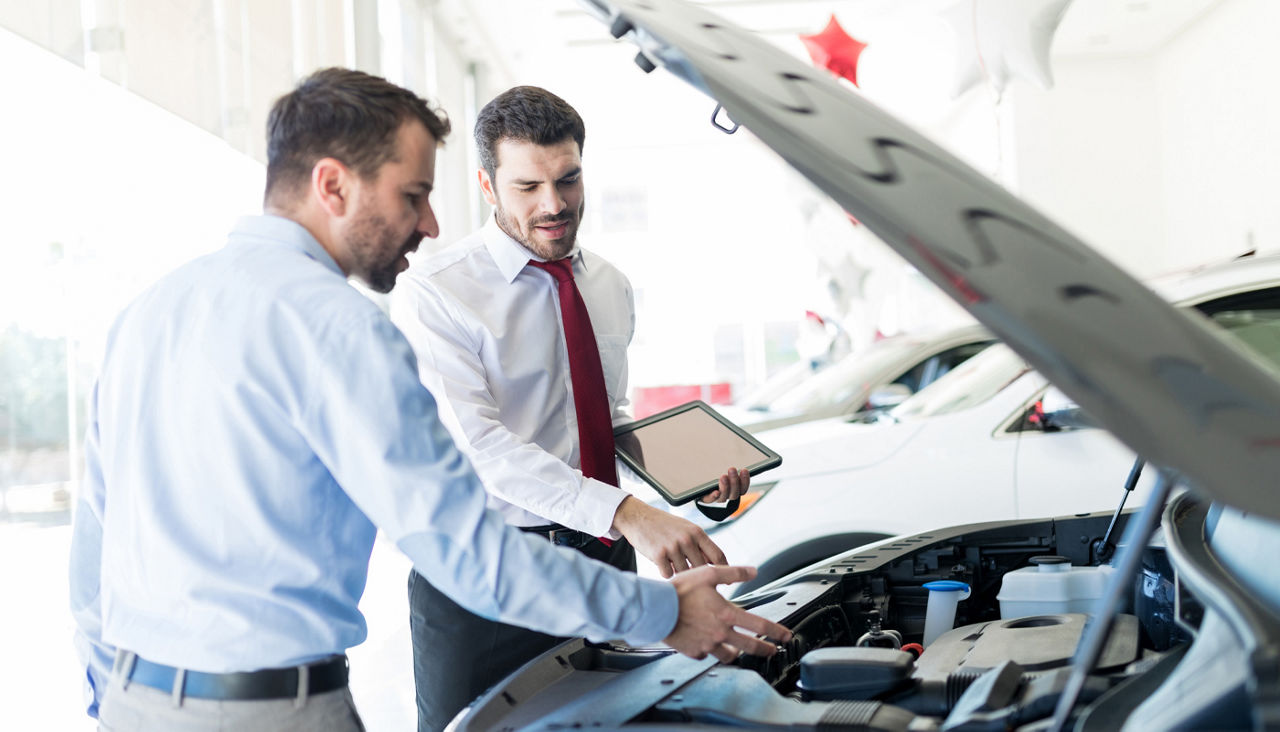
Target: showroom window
(107, 207)
(112, 193)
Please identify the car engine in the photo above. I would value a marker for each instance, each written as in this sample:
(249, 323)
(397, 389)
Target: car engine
(856, 661)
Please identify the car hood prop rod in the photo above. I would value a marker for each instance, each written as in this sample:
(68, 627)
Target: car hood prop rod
(1137, 534)
(1105, 547)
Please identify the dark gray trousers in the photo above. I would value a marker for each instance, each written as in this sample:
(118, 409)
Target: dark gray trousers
(457, 655)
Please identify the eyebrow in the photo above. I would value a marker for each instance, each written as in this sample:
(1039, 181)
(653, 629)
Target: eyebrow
(424, 185)
(523, 182)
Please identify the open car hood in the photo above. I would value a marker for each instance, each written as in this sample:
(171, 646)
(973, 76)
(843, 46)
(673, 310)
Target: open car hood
(1163, 381)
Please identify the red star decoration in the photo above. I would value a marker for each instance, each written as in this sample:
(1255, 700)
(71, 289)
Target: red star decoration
(835, 50)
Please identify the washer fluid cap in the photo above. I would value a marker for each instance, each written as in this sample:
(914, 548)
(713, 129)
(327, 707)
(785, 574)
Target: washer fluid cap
(946, 586)
(1051, 563)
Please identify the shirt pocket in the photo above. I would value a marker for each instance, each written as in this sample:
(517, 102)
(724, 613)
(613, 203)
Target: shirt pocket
(613, 362)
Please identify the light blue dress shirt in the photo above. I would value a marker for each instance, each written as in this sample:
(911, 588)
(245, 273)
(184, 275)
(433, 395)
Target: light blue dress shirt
(254, 419)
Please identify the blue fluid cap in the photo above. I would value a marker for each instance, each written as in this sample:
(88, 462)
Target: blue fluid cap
(946, 586)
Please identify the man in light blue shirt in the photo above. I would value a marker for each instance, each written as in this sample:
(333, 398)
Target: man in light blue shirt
(256, 418)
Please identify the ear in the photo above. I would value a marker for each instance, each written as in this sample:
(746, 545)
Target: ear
(332, 185)
(486, 187)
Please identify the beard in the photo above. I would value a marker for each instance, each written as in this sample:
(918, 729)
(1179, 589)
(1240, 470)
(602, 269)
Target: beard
(529, 237)
(377, 250)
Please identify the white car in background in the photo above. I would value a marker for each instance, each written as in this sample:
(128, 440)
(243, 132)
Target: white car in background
(884, 374)
(991, 440)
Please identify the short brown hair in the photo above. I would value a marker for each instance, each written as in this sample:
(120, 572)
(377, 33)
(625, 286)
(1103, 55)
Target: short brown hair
(347, 115)
(525, 114)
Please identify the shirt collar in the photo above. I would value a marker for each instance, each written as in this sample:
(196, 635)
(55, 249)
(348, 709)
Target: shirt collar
(281, 230)
(511, 256)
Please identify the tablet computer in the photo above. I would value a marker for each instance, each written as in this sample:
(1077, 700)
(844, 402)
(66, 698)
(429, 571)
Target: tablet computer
(683, 451)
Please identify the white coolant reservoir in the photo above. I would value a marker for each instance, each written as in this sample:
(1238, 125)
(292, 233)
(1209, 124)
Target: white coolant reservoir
(1051, 586)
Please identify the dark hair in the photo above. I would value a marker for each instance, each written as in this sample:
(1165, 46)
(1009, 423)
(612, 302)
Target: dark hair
(343, 114)
(526, 114)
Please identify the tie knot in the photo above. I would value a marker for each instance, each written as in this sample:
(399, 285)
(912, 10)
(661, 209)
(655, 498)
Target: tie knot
(561, 269)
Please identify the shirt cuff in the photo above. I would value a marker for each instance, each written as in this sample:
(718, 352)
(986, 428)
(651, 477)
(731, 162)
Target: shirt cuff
(597, 503)
(661, 608)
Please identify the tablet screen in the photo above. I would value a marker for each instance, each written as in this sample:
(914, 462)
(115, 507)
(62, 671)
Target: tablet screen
(682, 452)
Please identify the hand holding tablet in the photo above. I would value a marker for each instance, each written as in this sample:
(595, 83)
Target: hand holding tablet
(683, 451)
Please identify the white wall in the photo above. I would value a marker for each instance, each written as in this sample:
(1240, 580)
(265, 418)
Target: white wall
(1088, 154)
(1219, 104)
(1166, 160)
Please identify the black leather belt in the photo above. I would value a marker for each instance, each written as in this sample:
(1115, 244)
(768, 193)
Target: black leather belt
(271, 683)
(559, 535)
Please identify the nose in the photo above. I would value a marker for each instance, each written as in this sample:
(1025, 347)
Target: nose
(427, 224)
(551, 202)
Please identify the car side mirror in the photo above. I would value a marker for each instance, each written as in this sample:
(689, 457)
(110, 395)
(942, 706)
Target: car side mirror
(889, 395)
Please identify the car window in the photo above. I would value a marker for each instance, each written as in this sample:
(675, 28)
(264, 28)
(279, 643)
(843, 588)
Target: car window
(1259, 330)
(915, 377)
(935, 367)
(973, 382)
(953, 357)
(1249, 318)
(1054, 411)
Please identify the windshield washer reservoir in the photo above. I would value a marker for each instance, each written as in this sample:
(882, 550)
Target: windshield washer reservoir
(1051, 586)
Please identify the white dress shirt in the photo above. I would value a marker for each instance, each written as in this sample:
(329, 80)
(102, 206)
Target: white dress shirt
(255, 418)
(490, 343)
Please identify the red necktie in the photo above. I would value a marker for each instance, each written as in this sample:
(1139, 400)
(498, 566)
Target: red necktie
(590, 400)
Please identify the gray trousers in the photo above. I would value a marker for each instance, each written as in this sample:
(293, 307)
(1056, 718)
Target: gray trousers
(457, 655)
(137, 708)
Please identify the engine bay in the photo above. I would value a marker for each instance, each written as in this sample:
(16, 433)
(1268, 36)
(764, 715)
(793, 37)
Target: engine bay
(856, 660)
(860, 641)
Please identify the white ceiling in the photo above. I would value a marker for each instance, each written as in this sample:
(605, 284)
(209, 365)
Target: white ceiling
(910, 66)
(1125, 27)
(543, 36)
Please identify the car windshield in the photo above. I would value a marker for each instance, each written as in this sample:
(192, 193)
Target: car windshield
(762, 397)
(841, 382)
(971, 383)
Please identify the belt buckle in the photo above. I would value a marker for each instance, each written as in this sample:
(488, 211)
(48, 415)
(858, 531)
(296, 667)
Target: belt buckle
(555, 536)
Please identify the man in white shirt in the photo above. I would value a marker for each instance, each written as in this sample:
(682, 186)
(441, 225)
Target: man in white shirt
(495, 345)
